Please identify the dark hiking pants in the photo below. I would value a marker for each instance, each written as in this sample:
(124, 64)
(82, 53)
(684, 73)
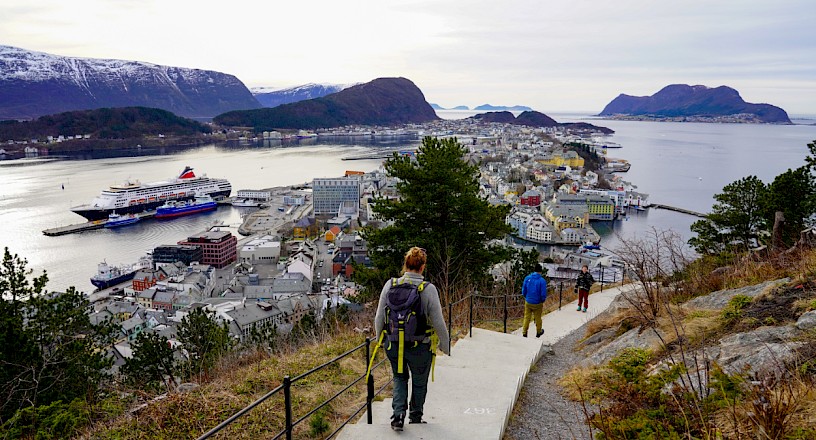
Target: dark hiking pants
(417, 361)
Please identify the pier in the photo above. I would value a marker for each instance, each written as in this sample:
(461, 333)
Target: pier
(88, 226)
(676, 209)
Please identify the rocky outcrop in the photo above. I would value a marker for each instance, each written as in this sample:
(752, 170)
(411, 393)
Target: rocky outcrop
(537, 120)
(764, 350)
(384, 101)
(719, 299)
(685, 100)
(634, 338)
(807, 321)
(33, 84)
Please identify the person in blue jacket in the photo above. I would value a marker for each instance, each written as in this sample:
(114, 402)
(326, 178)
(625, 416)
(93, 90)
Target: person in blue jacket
(534, 291)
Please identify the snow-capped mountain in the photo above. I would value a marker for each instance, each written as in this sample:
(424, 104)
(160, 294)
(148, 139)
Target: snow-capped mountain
(274, 96)
(35, 83)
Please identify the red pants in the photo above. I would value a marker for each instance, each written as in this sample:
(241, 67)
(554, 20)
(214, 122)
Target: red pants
(583, 295)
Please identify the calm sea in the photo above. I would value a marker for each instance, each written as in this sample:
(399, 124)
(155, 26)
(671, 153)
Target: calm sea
(678, 164)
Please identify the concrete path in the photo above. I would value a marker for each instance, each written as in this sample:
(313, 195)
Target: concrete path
(477, 386)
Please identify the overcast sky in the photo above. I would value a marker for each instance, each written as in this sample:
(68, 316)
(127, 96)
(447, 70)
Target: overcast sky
(552, 55)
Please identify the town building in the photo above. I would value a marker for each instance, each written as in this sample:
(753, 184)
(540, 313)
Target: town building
(566, 216)
(264, 249)
(174, 253)
(329, 193)
(600, 207)
(220, 247)
(254, 194)
(560, 159)
(305, 227)
(531, 197)
(350, 250)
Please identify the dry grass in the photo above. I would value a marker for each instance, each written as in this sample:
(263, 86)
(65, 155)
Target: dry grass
(234, 387)
(575, 381)
(625, 316)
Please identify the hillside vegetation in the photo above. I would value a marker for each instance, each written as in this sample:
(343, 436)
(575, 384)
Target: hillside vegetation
(384, 101)
(104, 123)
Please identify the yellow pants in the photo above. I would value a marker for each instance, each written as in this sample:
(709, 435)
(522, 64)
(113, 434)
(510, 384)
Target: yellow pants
(532, 311)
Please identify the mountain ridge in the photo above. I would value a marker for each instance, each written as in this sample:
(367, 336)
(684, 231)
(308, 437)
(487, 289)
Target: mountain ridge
(383, 101)
(34, 84)
(273, 97)
(683, 100)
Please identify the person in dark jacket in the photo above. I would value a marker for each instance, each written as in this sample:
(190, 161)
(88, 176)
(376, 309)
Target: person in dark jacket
(582, 286)
(534, 291)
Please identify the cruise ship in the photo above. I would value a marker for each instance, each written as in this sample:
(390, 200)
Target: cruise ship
(133, 197)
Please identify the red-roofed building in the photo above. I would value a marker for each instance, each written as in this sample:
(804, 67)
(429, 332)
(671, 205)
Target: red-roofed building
(332, 233)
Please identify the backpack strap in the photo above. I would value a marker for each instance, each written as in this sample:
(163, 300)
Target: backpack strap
(374, 354)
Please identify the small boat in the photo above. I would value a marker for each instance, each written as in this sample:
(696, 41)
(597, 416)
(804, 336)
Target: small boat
(173, 209)
(246, 203)
(115, 220)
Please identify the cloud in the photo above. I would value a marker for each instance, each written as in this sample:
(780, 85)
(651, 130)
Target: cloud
(572, 55)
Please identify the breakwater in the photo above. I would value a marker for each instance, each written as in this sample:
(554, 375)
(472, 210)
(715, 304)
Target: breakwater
(676, 209)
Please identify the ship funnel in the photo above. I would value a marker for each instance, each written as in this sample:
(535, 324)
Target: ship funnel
(187, 173)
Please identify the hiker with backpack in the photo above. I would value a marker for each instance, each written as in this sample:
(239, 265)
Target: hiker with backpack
(410, 325)
(582, 286)
(534, 291)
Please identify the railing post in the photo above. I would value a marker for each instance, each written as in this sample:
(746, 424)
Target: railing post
(287, 401)
(560, 292)
(450, 323)
(470, 317)
(505, 312)
(369, 384)
(602, 278)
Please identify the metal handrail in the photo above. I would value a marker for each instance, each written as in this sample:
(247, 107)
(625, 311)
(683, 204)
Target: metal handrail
(286, 388)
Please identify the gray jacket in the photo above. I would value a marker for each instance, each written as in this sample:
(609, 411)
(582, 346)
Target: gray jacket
(430, 306)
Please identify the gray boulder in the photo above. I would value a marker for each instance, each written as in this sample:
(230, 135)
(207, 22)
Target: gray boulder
(634, 338)
(807, 321)
(762, 350)
(719, 299)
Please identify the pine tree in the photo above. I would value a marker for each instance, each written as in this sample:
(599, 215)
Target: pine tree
(439, 209)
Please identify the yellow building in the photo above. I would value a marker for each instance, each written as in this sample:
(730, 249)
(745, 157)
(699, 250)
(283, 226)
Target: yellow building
(567, 216)
(569, 158)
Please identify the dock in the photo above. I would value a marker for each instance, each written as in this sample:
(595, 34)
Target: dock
(89, 226)
(676, 209)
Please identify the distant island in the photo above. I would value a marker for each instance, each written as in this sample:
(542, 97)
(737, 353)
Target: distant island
(682, 102)
(383, 101)
(503, 108)
(458, 107)
(536, 119)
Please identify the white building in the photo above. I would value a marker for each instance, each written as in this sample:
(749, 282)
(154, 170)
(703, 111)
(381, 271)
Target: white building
(328, 193)
(265, 249)
(254, 194)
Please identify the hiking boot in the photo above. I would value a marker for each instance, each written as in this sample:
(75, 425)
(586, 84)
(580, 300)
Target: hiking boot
(397, 422)
(415, 419)
(538, 334)
(584, 309)
(579, 308)
(524, 334)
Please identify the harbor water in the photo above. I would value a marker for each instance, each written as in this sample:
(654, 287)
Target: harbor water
(678, 164)
(32, 199)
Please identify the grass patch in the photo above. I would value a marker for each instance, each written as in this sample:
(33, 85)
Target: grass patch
(188, 415)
